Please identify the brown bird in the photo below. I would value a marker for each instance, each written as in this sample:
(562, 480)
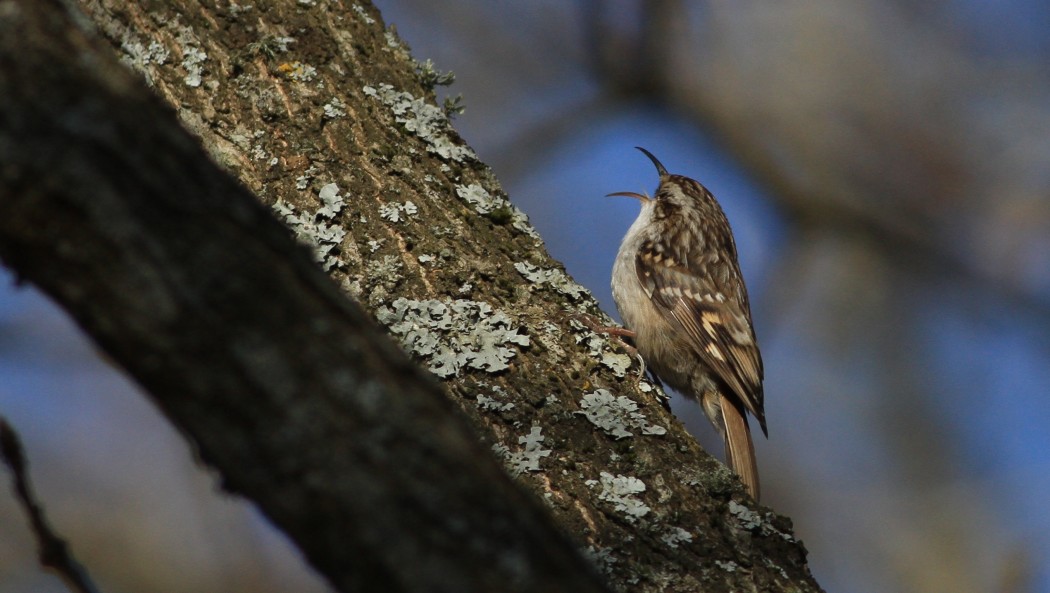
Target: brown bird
(678, 287)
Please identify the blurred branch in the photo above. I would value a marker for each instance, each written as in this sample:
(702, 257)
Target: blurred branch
(629, 55)
(308, 408)
(53, 550)
(867, 148)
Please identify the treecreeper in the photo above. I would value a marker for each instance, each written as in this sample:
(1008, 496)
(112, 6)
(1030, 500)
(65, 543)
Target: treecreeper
(678, 287)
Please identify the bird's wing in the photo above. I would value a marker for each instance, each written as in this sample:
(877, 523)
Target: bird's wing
(693, 296)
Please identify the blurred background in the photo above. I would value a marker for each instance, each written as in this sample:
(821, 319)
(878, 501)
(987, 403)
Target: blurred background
(886, 168)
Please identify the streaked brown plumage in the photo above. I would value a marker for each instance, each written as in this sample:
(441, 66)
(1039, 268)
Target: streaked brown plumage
(678, 287)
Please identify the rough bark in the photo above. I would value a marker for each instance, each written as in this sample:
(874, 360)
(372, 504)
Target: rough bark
(283, 384)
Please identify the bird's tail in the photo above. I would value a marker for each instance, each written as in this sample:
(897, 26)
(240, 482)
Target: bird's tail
(740, 451)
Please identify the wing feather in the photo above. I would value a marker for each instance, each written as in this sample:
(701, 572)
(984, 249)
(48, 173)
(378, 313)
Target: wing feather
(718, 325)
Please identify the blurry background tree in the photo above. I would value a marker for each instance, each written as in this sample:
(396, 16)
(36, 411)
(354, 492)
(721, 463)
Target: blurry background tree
(885, 168)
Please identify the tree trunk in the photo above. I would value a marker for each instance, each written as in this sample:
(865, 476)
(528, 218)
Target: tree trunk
(382, 476)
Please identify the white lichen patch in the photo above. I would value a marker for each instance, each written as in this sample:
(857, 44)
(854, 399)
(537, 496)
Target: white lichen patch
(676, 536)
(618, 363)
(298, 71)
(489, 404)
(334, 108)
(396, 212)
(387, 269)
(554, 278)
(528, 458)
(776, 567)
(314, 231)
(601, 558)
(486, 203)
(331, 202)
(259, 153)
(479, 197)
(751, 520)
(193, 57)
(303, 181)
(616, 415)
(364, 15)
(621, 492)
(727, 566)
(395, 46)
(140, 56)
(748, 519)
(281, 43)
(452, 336)
(426, 121)
(597, 346)
(550, 337)
(270, 45)
(242, 137)
(495, 402)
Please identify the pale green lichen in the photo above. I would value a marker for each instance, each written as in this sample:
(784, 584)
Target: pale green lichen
(334, 108)
(674, 536)
(364, 15)
(748, 519)
(426, 121)
(751, 520)
(193, 57)
(313, 230)
(302, 182)
(396, 212)
(601, 558)
(618, 363)
(598, 346)
(269, 46)
(331, 202)
(550, 336)
(729, 566)
(479, 197)
(554, 278)
(494, 403)
(140, 57)
(488, 404)
(489, 205)
(450, 337)
(616, 415)
(387, 272)
(776, 567)
(621, 491)
(393, 44)
(528, 458)
(298, 71)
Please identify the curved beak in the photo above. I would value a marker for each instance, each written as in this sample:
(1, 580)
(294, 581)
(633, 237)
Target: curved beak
(630, 194)
(659, 169)
(659, 166)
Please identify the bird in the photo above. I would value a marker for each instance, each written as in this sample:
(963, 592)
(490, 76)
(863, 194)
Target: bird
(678, 288)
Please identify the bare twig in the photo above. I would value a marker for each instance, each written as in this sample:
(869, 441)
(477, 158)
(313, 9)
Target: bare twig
(53, 550)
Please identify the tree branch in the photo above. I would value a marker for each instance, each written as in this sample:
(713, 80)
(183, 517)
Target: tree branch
(305, 405)
(289, 389)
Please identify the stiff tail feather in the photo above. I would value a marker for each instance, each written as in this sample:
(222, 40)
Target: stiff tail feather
(740, 451)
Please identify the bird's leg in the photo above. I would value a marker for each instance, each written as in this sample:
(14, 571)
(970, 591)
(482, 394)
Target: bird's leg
(619, 333)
